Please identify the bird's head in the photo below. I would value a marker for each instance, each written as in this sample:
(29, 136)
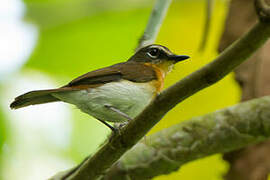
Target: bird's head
(157, 55)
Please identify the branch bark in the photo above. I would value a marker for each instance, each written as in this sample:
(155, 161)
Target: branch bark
(110, 152)
(219, 132)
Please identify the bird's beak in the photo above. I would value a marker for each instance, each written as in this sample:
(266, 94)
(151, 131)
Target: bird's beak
(177, 58)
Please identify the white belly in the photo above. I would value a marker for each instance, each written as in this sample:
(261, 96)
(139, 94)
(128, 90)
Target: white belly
(128, 97)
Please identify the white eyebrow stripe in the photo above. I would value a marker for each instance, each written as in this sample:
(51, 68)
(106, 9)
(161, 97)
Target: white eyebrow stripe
(161, 48)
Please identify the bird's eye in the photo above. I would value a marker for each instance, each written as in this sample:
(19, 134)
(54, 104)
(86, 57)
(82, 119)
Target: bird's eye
(153, 53)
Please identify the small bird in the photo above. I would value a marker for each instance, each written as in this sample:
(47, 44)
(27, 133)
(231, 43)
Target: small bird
(117, 93)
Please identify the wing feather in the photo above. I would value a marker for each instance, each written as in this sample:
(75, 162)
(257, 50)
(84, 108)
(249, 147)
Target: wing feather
(136, 72)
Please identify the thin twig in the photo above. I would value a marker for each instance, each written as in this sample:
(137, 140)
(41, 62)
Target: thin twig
(208, 18)
(157, 16)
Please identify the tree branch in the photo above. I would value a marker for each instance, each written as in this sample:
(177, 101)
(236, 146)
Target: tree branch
(219, 132)
(157, 16)
(263, 10)
(109, 153)
(207, 23)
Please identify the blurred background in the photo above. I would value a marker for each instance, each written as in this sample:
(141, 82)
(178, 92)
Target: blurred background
(47, 43)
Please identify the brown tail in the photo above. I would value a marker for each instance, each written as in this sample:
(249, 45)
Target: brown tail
(35, 97)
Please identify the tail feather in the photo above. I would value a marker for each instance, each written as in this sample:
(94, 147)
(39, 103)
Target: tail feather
(34, 97)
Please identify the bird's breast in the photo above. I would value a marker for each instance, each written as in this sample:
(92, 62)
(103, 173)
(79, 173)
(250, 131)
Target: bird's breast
(129, 97)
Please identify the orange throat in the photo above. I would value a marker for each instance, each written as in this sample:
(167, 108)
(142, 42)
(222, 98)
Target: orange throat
(161, 71)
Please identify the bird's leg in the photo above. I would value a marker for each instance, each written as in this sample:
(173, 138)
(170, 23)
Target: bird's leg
(115, 130)
(118, 112)
(109, 126)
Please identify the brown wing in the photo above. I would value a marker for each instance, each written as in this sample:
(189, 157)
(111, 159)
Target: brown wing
(136, 72)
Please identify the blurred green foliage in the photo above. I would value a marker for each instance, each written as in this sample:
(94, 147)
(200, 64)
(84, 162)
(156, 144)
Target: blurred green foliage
(76, 37)
(3, 137)
(89, 43)
(3, 132)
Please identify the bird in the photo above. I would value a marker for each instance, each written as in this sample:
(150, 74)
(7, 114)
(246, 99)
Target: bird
(115, 94)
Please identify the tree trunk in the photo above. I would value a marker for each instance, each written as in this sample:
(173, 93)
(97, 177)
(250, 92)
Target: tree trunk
(253, 76)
